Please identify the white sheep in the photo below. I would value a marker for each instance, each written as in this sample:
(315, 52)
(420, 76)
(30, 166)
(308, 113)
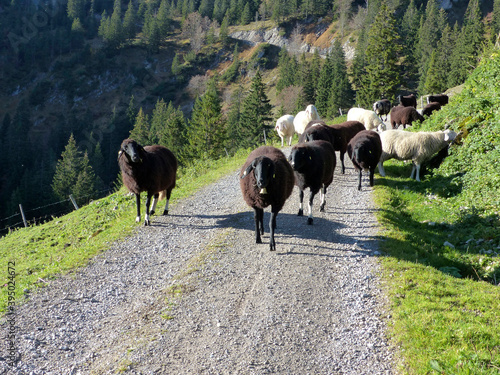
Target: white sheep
(285, 128)
(415, 146)
(303, 117)
(368, 118)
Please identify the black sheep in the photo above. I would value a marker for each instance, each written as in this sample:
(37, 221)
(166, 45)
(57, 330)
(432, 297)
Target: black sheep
(365, 149)
(382, 107)
(313, 163)
(404, 116)
(151, 169)
(338, 135)
(270, 184)
(408, 100)
(440, 98)
(430, 107)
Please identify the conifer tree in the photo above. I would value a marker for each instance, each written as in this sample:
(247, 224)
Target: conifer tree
(341, 94)
(495, 20)
(84, 188)
(255, 114)
(287, 70)
(246, 15)
(129, 21)
(75, 9)
(382, 77)
(173, 133)
(176, 65)
(206, 133)
(324, 85)
(468, 44)
(409, 33)
(163, 18)
(224, 33)
(141, 131)
(428, 37)
(67, 170)
(115, 36)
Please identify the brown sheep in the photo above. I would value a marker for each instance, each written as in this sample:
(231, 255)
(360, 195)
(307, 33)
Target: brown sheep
(151, 169)
(270, 184)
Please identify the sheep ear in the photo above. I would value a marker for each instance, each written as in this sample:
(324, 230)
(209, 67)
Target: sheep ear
(248, 170)
(119, 154)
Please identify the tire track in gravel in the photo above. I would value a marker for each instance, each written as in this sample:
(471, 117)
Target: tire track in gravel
(313, 306)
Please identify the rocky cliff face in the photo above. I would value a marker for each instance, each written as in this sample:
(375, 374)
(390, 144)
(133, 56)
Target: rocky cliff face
(274, 36)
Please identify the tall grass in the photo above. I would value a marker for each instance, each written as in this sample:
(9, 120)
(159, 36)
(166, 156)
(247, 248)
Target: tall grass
(442, 240)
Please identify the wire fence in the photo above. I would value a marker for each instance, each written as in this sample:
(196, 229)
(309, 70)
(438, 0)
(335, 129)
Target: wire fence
(45, 213)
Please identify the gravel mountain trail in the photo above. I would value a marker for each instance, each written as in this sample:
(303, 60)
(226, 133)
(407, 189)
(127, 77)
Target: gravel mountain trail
(194, 294)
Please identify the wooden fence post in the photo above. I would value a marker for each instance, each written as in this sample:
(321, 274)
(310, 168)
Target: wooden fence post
(73, 201)
(22, 214)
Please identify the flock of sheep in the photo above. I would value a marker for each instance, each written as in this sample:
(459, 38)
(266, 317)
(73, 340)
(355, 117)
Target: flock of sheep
(267, 178)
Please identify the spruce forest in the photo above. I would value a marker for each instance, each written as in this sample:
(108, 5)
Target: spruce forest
(79, 76)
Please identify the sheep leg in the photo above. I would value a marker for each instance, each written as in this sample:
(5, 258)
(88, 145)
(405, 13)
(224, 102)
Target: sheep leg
(381, 170)
(342, 161)
(359, 179)
(417, 167)
(146, 216)
(372, 172)
(412, 171)
(155, 201)
(258, 218)
(310, 216)
(301, 203)
(169, 192)
(138, 204)
(290, 140)
(272, 227)
(322, 195)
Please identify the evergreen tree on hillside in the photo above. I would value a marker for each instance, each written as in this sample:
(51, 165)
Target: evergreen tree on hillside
(357, 71)
(468, 45)
(224, 33)
(324, 85)
(151, 32)
(73, 174)
(439, 69)
(76, 9)
(84, 188)
(255, 114)
(382, 78)
(206, 133)
(288, 68)
(173, 133)
(163, 18)
(115, 35)
(428, 37)
(495, 20)
(141, 131)
(129, 21)
(341, 94)
(409, 33)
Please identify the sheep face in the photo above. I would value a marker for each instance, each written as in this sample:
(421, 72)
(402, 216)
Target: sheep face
(263, 169)
(449, 135)
(132, 151)
(299, 159)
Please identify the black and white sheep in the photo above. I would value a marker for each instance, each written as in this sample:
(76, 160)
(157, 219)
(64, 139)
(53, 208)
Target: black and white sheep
(431, 107)
(382, 107)
(365, 149)
(408, 100)
(313, 164)
(440, 98)
(415, 146)
(302, 118)
(266, 179)
(338, 135)
(151, 169)
(404, 116)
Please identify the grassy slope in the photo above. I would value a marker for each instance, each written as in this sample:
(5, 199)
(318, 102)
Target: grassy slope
(445, 306)
(45, 251)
